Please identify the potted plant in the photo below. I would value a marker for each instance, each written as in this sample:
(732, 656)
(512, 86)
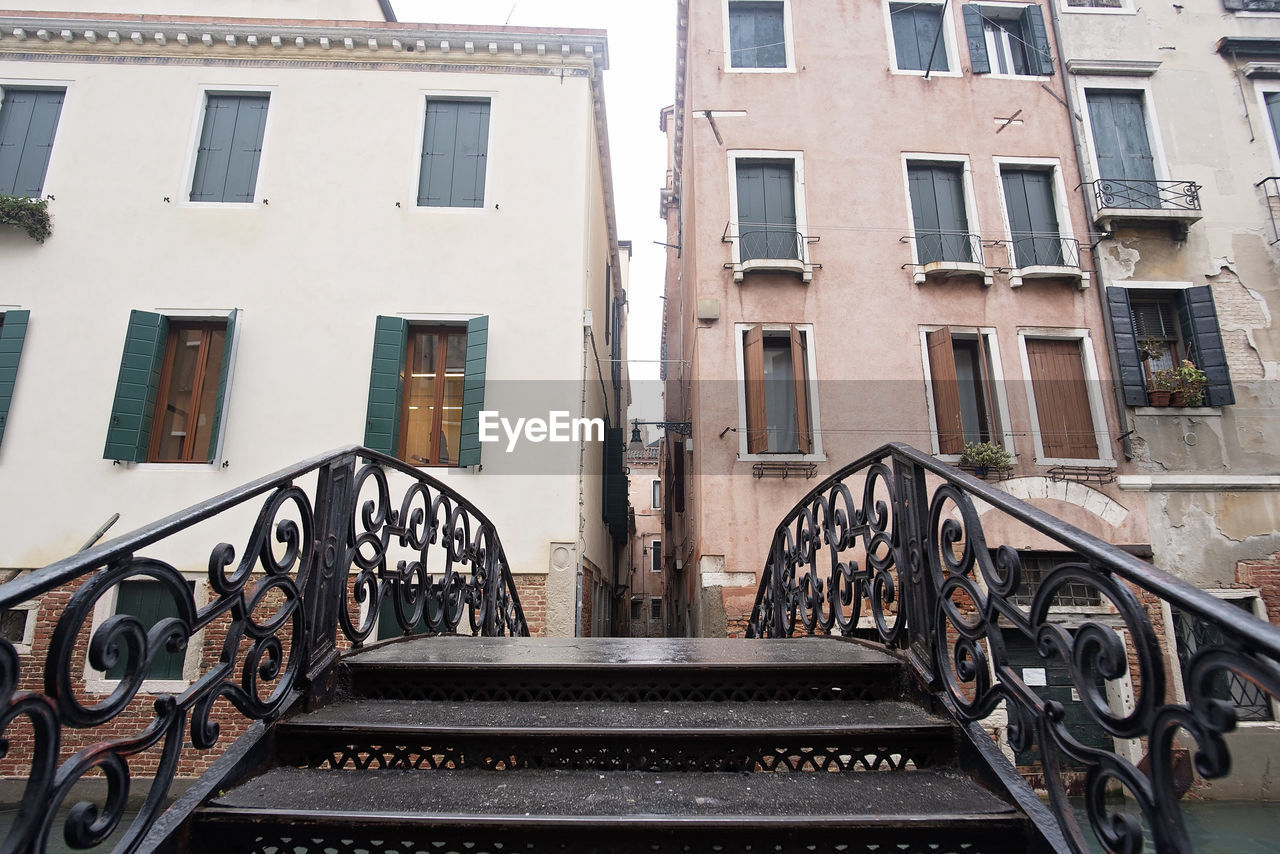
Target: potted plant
(1151, 348)
(31, 215)
(1162, 386)
(1189, 384)
(985, 457)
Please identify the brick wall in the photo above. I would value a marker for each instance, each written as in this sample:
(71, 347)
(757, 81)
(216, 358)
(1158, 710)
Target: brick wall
(532, 590)
(1264, 576)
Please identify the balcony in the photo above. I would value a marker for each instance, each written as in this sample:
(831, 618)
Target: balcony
(769, 248)
(1145, 202)
(1045, 256)
(942, 255)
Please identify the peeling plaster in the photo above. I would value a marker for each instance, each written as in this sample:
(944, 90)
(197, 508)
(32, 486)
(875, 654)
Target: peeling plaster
(1241, 311)
(1119, 261)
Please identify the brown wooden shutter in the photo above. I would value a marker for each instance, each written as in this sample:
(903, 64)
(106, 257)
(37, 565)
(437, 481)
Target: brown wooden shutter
(803, 436)
(946, 391)
(1062, 399)
(753, 380)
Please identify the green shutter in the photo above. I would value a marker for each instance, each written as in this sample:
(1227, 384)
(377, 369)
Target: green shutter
(1128, 363)
(979, 62)
(615, 483)
(224, 375)
(230, 148)
(1199, 319)
(386, 384)
(136, 387)
(150, 602)
(28, 121)
(455, 149)
(473, 390)
(1039, 57)
(13, 330)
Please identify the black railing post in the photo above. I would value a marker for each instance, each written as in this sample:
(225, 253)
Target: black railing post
(322, 589)
(911, 527)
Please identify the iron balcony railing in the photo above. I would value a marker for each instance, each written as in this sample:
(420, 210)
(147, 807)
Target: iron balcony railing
(320, 564)
(1143, 194)
(946, 246)
(1044, 250)
(897, 536)
(1271, 191)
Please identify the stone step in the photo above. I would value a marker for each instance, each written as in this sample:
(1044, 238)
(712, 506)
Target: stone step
(728, 736)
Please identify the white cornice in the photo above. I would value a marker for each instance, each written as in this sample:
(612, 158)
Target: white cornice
(1199, 482)
(1114, 67)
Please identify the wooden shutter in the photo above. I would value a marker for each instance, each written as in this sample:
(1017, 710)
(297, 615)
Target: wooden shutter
(1039, 57)
(224, 377)
(1062, 399)
(230, 148)
(756, 38)
(946, 391)
(473, 390)
(471, 154)
(13, 331)
(803, 435)
(1199, 318)
(751, 216)
(246, 148)
(1120, 137)
(615, 483)
(386, 384)
(150, 602)
(136, 387)
(979, 62)
(455, 151)
(1033, 218)
(1128, 363)
(28, 121)
(915, 32)
(753, 383)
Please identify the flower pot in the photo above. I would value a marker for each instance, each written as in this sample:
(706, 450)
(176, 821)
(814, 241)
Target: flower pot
(979, 471)
(1158, 397)
(1178, 398)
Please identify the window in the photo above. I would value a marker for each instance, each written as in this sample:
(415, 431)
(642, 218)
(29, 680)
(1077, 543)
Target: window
(18, 625)
(28, 121)
(1122, 149)
(637, 609)
(426, 390)
(655, 608)
(1065, 400)
(13, 332)
(1192, 635)
(150, 602)
(919, 37)
(655, 556)
(657, 495)
(963, 377)
(939, 219)
(766, 209)
(455, 150)
(230, 148)
(757, 34)
(172, 389)
(1097, 4)
(1251, 5)
(1157, 328)
(1007, 40)
(1031, 207)
(1036, 566)
(777, 378)
(1272, 102)
(388, 625)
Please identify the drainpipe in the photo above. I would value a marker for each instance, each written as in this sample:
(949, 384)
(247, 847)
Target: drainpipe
(1122, 409)
(582, 497)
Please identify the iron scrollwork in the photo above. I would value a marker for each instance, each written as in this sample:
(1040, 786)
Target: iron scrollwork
(968, 602)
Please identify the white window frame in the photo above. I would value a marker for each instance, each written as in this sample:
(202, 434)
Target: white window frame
(415, 160)
(655, 555)
(948, 40)
(800, 265)
(32, 608)
(987, 334)
(1259, 611)
(918, 158)
(811, 368)
(655, 501)
(1261, 88)
(1061, 206)
(1093, 388)
(193, 146)
(223, 314)
(787, 34)
(991, 45)
(1083, 83)
(42, 83)
(1125, 8)
(96, 681)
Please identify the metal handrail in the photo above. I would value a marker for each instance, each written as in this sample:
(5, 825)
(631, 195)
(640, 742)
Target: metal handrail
(913, 550)
(1031, 249)
(958, 247)
(311, 558)
(1144, 194)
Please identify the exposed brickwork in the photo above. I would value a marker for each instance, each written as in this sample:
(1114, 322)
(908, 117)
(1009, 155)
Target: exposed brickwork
(1263, 576)
(590, 578)
(1239, 314)
(532, 590)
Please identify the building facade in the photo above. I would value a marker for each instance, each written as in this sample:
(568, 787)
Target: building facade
(647, 609)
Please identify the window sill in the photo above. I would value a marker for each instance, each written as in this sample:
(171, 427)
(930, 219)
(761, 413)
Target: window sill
(1030, 78)
(173, 466)
(782, 458)
(778, 265)
(1084, 10)
(149, 686)
(942, 270)
(1061, 461)
(912, 72)
(790, 69)
(1018, 275)
(1200, 411)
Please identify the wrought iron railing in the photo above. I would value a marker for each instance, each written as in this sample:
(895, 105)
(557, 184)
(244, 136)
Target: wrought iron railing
(770, 243)
(1140, 194)
(898, 533)
(1044, 250)
(316, 561)
(954, 246)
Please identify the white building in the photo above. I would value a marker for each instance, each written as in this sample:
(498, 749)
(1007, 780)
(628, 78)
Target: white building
(268, 232)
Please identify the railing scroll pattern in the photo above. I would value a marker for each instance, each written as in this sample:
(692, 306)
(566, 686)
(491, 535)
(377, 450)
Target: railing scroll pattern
(938, 589)
(279, 600)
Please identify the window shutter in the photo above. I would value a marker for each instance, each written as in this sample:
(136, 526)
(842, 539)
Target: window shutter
(224, 376)
(675, 492)
(615, 484)
(136, 387)
(1062, 401)
(979, 62)
(1199, 319)
(386, 384)
(435, 180)
(1128, 364)
(1039, 57)
(13, 331)
(470, 155)
(753, 382)
(246, 149)
(28, 120)
(751, 212)
(214, 154)
(473, 391)
(946, 391)
(803, 435)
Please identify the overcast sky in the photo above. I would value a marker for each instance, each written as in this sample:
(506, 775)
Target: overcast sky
(639, 83)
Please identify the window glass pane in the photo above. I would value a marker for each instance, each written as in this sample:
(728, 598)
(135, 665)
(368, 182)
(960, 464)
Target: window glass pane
(637, 608)
(973, 400)
(13, 624)
(916, 39)
(451, 414)
(1193, 634)
(205, 429)
(780, 397)
(189, 395)
(420, 396)
(656, 608)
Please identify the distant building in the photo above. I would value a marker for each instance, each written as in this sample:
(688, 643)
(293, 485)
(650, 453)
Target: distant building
(648, 613)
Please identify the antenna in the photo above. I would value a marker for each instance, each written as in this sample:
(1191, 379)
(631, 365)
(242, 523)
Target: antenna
(509, 14)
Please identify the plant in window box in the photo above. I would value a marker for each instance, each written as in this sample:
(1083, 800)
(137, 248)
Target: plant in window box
(1187, 384)
(1151, 348)
(1161, 389)
(985, 457)
(31, 215)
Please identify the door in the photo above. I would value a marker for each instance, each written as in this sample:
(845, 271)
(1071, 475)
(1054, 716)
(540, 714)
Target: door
(1123, 150)
(1033, 219)
(938, 213)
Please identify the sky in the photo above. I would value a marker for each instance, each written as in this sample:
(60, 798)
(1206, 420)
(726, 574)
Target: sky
(639, 83)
